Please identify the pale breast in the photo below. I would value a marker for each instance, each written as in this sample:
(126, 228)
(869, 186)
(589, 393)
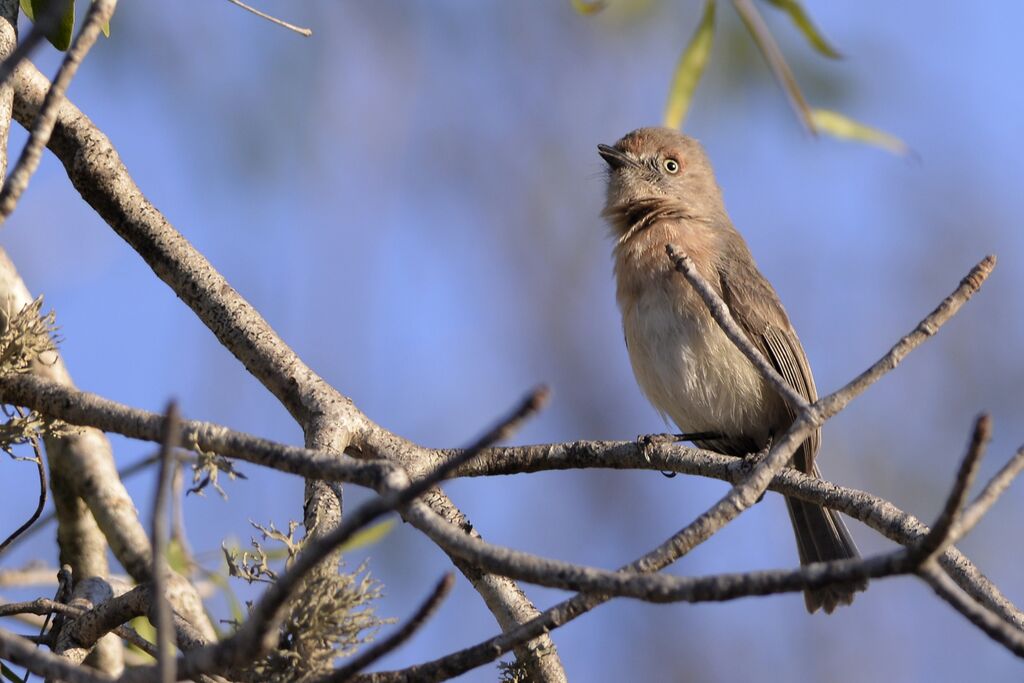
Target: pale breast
(690, 371)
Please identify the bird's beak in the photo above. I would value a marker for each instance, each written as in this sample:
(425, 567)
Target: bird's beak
(615, 157)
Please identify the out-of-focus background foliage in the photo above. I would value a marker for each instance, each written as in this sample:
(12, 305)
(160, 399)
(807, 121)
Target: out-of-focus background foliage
(411, 197)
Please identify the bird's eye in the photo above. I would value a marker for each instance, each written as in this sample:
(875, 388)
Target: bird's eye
(671, 165)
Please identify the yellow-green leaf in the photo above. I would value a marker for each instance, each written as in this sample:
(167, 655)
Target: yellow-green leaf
(803, 22)
(369, 535)
(588, 6)
(145, 629)
(690, 68)
(60, 35)
(845, 128)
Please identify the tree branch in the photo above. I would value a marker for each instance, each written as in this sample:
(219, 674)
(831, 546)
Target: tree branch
(24, 652)
(259, 631)
(165, 641)
(99, 13)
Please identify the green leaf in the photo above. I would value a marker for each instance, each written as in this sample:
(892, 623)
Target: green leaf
(588, 6)
(803, 22)
(8, 674)
(369, 535)
(145, 629)
(60, 35)
(845, 128)
(690, 68)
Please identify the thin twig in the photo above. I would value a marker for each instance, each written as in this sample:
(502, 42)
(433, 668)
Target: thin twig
(292, 27)
(989, 495)
(372, 654)
(41, 503)
(720, 312)
(165, 638)
(178, 535)
(987, 621)
(765, 42)
(81, 408)
(45, 606)
(971, 283)
(99, 13)
(23, 652)
(123, 474)
(935, 542)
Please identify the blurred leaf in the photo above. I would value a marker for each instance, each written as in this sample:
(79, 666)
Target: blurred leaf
(803, 22)
(145, 629)
(60, 35)
(588, 6)
(765, 42)
(177, 558)
(839, 126)
(106, 29)
(690, 68)
(8, 674)
(369, 535)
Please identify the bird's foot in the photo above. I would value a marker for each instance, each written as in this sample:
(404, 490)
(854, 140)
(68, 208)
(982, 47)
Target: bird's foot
(750, 460)
(647, 442)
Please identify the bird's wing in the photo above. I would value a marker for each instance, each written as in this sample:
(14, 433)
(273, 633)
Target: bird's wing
(757, 310)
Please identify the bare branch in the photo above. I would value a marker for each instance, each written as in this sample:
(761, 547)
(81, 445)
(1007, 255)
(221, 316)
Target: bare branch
(832, 404)
(8, 48)
(292, 27)
(720, 312)
(918, 558)
(997, 629)
(99, 13)
(165, 642)
(88, 593)
(97, 172)
(40, 503)
(936, 540)
(44, 606)
(85, 409)
(24, 652)
(988, 496)
(392, 642)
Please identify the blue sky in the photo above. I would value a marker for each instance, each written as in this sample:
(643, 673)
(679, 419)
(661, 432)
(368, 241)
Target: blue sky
(411, 197)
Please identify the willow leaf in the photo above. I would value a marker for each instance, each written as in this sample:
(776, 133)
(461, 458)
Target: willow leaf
(798, 15)
(59, 34)
(690, 68)
(839, 126)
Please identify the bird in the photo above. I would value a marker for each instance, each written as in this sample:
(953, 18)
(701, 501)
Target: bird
(662, 190)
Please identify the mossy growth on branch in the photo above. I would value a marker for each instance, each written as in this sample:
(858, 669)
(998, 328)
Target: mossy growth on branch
(328, 617)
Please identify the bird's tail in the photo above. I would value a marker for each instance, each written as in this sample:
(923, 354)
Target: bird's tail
(821, 536)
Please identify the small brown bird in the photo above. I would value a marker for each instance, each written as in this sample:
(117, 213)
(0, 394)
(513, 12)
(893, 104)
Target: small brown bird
(662, 190)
